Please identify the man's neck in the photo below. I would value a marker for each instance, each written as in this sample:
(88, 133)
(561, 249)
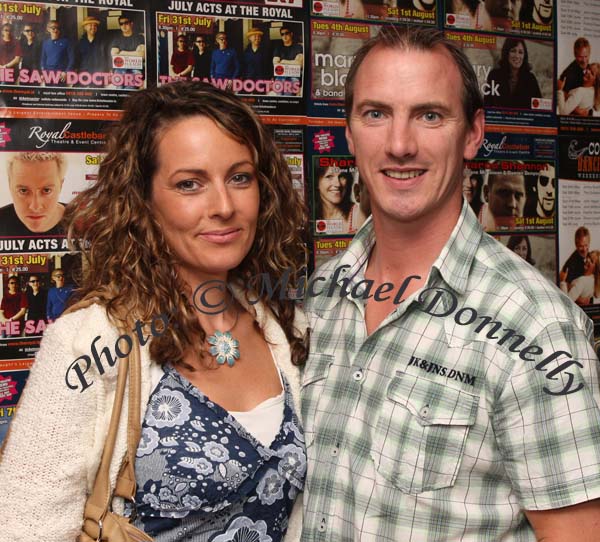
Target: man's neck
(409, 248)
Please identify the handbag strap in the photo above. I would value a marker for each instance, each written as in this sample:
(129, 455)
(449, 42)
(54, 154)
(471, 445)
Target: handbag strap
(99, 500)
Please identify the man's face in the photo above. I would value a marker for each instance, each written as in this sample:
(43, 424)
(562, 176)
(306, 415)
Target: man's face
(6, 32)
(34, 283)
(582, 245)
(543, 8)
(546, 191)
(12, 285)
(35, 188)
(126, 26)
(29, 33)
(409, 145)
(201, 44)
(54, 30)
(222, 41)
(506, 9)
(91, 29)
(287, 36)
(255, 40)
(582, 57)
(59, 278)
(506, 196)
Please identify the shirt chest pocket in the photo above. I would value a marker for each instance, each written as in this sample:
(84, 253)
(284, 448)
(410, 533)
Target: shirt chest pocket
(420, 435)
(313, 385)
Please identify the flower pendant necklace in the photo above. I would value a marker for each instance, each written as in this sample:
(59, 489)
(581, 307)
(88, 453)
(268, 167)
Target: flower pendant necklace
(224, 348)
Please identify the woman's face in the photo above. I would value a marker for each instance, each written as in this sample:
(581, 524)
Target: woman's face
(469, 186)
(205, 196)
(332, 186)
(516, 56)
(521, 249)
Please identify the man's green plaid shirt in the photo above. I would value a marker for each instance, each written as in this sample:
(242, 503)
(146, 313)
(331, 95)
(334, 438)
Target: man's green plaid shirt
(448, 427)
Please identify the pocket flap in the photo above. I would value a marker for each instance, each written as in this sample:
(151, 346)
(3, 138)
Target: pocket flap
(316, 368)
(433, 403)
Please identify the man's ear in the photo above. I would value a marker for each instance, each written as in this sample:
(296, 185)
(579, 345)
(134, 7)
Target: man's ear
(475, 134)
(349, 139)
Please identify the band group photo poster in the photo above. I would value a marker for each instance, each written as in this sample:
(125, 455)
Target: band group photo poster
(533, 184)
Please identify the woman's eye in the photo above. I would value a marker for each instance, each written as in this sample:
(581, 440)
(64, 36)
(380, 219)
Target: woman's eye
(241, 178)
(189, 185)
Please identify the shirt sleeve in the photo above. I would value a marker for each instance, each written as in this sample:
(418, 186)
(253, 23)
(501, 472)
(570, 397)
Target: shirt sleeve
(43, 470)
(547, 421)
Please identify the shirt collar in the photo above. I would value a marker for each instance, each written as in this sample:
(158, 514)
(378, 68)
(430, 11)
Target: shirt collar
(453, 263)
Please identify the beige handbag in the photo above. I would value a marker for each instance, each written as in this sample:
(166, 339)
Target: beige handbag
(100, 522)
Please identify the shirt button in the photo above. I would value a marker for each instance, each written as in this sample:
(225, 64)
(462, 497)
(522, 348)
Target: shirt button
(357, 375)
(335, 451)
(424, 412)
(322, 525)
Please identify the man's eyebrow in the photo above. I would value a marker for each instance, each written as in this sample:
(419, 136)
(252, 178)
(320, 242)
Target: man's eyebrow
(419, 107)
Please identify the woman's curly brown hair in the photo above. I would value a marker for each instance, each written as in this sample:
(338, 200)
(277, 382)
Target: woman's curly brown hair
(128, 265)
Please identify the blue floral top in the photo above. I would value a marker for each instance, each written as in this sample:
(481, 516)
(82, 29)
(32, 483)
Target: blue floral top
(202, 477)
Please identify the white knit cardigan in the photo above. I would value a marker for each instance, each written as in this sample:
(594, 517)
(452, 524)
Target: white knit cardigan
(57, 435)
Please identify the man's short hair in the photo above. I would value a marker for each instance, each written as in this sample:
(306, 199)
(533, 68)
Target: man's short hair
(52, 21)
(415, 38)
(580, 43)
(581, 232)
(289, 29)
(38, 157)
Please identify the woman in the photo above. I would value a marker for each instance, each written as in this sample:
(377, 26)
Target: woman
(189, 196)
(513, 81)
(334, 199)
(521, 246)
(580, 100)
(182, 59)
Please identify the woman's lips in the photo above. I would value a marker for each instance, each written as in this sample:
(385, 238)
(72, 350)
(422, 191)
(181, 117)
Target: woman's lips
(221, 236)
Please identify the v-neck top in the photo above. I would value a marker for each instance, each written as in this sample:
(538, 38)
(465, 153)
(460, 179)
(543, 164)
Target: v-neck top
(201, 476)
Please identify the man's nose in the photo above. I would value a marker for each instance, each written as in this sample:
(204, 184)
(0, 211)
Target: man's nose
(36, 203)
(401, 141)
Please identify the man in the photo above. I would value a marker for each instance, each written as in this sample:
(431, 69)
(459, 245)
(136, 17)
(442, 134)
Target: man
(502, 12)
(224, 63)
(545, 190)
(572, 76)
(12, 309)
(256, 58)
(575, 264)
(37, 298)
(201, 58)
(288, 56)
(537, 11)
(429, 413)
(31, 49)
(35, 180)
(58, 295)
(505, 197)
(57, 53)
(128, 49)
(10, 50)
(92, 49)
(182, 59)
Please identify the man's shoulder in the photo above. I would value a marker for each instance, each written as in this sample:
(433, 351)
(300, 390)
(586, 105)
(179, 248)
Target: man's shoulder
(502, 273)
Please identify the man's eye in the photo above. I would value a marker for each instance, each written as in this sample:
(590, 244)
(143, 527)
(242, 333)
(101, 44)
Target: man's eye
(374, 114)
(431, 116)
(47, 191)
